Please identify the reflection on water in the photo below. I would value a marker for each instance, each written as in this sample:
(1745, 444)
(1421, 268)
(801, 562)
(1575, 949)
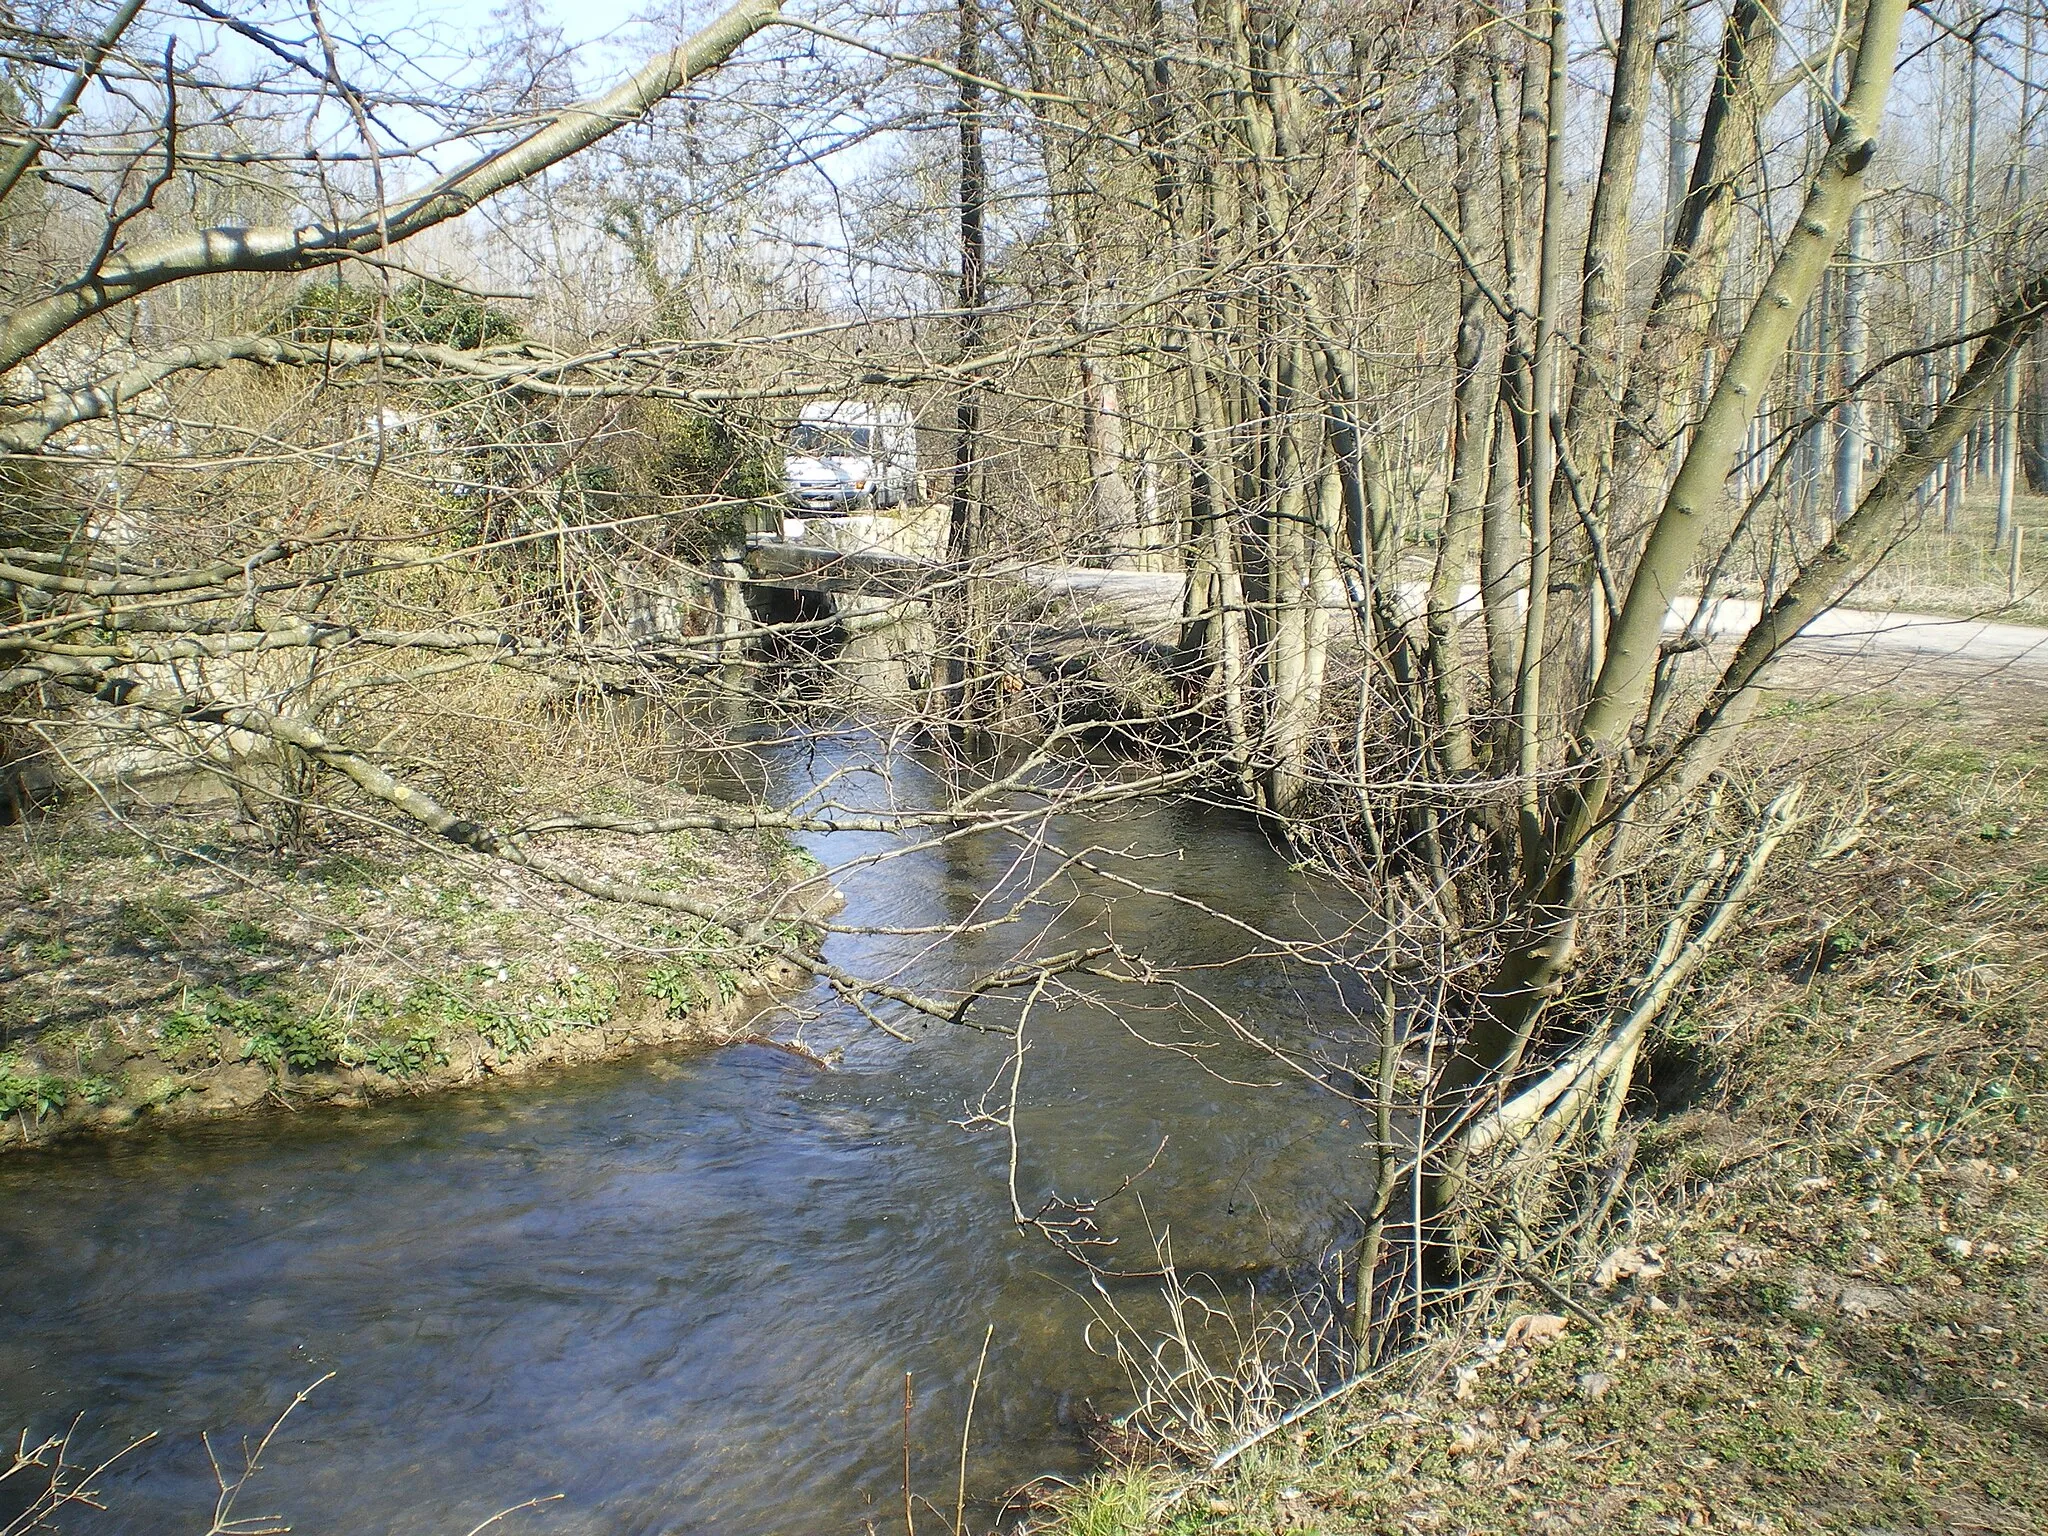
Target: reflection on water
(684, 1293)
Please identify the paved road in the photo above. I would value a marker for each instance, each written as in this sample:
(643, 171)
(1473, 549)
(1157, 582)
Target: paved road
(1151, 598)
(861, 556)
(1895, 636)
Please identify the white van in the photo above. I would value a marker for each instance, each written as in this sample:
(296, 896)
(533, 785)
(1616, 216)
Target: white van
(845, 455)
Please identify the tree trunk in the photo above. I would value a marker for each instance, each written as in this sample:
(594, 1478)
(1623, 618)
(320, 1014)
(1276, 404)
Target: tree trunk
(965, 645)
(1961, 464)
(1543, 447)
(1850, 431)
(1662, 376)
(1553, 895)
(1471, 442)
(1112, 505)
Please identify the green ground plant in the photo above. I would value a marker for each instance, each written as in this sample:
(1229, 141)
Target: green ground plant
(406, 1055)
(270, 1026)
(155, 918)
(37, 1093)
(250, 937)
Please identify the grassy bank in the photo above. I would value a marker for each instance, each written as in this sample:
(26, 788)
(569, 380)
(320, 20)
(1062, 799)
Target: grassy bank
(167, 964)
(1825, 1303)
(1962, 574)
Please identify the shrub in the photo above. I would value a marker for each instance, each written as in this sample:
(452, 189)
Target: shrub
(421, 311)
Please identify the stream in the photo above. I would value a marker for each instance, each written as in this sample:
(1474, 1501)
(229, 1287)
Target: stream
(683, 1292)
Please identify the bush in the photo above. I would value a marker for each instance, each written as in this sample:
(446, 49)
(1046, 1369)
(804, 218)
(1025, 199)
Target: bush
(421, 312)
(695, 455)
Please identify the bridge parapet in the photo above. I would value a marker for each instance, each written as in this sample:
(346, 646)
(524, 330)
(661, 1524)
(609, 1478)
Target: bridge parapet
(918, 532)
(886, 556)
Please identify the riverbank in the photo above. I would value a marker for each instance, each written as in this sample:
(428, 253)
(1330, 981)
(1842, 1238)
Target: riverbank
(165, 963)
(1825, 1306)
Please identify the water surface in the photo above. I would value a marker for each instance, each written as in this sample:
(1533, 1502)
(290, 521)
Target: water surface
(683, 1292)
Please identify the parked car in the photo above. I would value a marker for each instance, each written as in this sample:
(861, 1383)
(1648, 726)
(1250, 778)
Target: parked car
(846, 455)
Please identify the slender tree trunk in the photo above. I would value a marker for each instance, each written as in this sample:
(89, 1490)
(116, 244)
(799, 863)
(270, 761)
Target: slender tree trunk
(1596, 380)
(1850, 431)
(2034, 419)
(1603, 282)
(1553, 895)
(1471, 442)
(1680, 108)
(1113, 505)
(1836, 190)
(964, 535)
(2009, 401)
(1960, 461)
(1671, 348)
(1501, 549)
(1543, 446)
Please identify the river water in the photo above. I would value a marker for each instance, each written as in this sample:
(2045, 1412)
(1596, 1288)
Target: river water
(683, 1292)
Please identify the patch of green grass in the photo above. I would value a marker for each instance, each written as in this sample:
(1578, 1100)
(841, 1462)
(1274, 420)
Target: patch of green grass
(1802, 706)
(606, 800)
(1115, 1504)
(1949, 757)
(251, 938)
(157, 917)
(345, 871)
(86, 840)
(455, 904)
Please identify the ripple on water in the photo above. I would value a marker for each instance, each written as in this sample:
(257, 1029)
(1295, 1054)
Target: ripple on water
(682, 1292)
